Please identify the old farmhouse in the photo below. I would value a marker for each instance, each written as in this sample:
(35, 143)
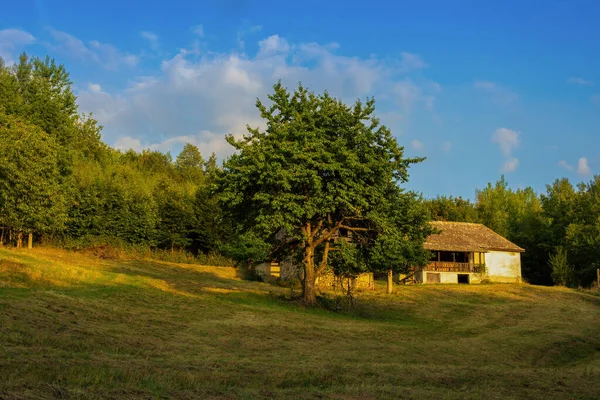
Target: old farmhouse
(469, 253)
(461, 253)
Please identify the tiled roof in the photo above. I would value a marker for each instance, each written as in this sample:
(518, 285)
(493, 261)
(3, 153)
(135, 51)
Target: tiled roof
(464, 236)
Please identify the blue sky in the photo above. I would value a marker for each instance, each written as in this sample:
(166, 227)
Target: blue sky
(481, 88)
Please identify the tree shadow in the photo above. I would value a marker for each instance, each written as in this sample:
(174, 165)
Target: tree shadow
(190, 278)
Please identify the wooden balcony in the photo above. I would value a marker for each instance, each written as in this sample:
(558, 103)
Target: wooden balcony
(450, 266)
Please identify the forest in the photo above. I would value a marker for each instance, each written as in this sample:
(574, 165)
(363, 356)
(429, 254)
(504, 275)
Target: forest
(63, 186)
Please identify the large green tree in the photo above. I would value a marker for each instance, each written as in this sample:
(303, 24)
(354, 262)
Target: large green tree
(30, 195)
(320, 166)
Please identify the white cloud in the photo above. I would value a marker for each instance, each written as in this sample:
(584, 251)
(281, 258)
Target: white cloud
(207, 142)
(583, 167)
(486, 85)
(11, 40)
(498, 93)
(70, 45)
(112, 58)
(580, 81)
(417, 145)
(565, 165)
(446, 146)
(510, 165)
(411, 62)
(198, 30)
(407, 94)
(128, 143)
(94, 88)
(105, 54)
(434, 86)
(507, 140)
(152, 39)
(272, 45)
(200, 97)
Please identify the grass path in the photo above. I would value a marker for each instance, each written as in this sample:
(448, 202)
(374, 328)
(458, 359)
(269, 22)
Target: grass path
(84, 328)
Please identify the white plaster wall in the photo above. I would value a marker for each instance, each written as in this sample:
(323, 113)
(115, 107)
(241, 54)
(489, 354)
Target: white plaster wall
(503, 266)
(452, 277)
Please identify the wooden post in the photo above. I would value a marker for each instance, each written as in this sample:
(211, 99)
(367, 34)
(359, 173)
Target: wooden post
(30, 241)
(390, 282)
(19, 239)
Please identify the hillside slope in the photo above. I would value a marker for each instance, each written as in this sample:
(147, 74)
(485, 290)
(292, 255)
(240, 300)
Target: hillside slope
(72, 326)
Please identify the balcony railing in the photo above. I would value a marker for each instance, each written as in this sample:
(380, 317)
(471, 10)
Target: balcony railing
(450, 266)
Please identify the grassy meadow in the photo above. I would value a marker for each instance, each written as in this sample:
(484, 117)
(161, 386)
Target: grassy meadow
(78, 327)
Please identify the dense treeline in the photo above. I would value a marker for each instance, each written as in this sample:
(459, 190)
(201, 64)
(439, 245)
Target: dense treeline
(60, 183)
(559, 229)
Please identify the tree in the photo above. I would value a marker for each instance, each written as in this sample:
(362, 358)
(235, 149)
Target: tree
(114, 200)
(493, 206)
(347, 263)
(401, 228)
(210, 167)
(190, 163)
(320, 166)
(448, 208)
(175, 208)
(211, 228)
(30, 195)
(44, 98)
(582, 234)
(562, 273)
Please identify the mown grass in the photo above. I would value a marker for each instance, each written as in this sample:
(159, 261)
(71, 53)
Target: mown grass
(73, 326)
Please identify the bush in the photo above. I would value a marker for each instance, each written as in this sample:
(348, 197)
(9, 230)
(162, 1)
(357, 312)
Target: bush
(114, 248)
(562, 272)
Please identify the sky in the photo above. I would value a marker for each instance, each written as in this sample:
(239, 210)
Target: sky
(479, 88)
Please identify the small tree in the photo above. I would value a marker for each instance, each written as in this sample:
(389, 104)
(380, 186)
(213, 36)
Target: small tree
(348, 261)
(562, 273)
(397, 243)
(320, 166)
(190, 163)
(246, 249)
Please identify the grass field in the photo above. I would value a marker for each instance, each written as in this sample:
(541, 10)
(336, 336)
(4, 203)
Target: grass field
(84, 328)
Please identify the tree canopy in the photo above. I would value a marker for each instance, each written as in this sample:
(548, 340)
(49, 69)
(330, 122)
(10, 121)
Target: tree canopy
(320, 166)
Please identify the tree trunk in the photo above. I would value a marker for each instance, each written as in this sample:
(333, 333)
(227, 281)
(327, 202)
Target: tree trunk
(390, 282)
(309, 295)
(2, 237)
(19, 240)
(30, 241)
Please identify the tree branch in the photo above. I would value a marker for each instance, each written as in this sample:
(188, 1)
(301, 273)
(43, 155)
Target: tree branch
(350, 228)
(316, 230)
(324, 260)
(327, 235)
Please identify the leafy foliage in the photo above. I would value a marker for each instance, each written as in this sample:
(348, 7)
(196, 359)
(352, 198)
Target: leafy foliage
(319, 167)
(30, 195)
(562, 273)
